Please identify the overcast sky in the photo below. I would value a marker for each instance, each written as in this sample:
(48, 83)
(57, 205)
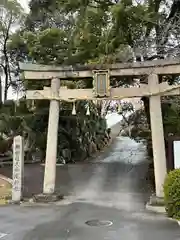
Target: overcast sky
(24, 4)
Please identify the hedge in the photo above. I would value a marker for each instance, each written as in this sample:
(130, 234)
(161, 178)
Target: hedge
(172, 194)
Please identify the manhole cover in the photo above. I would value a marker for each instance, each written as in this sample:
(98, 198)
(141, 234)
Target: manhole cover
(98, 223)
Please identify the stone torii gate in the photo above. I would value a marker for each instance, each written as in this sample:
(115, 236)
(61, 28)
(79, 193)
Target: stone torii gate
(102, 90)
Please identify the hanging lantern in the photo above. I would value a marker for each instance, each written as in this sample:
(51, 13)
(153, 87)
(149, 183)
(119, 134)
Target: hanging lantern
(15, 106)
(33, 107)
(74, 109)
(28, 104)
(17, 103)
(88, 110)
(119, 108)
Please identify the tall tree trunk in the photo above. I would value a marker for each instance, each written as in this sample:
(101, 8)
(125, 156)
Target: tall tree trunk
(0, 91)
(6, 83)
(6, 61)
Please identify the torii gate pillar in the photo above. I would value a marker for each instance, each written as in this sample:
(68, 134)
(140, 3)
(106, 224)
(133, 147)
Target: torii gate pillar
(52, 140)
(157, 132)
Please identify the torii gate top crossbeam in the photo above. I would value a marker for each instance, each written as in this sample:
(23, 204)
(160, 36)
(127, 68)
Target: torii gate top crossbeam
(42, 72)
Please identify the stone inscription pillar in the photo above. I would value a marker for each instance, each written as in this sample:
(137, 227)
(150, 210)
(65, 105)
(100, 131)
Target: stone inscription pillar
(18, 168)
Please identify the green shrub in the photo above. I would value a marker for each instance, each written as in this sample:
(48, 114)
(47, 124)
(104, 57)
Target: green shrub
(172, 194)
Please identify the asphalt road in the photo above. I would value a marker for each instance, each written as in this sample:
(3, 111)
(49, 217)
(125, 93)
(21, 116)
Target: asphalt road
(114, 189)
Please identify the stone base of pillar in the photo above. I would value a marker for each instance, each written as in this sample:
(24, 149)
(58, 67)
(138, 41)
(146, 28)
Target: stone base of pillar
(14, 202)
(156, 205)
(156, 201)
(47, 198)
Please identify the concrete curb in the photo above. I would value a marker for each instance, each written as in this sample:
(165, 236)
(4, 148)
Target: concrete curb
(174, 220)
(160, 210)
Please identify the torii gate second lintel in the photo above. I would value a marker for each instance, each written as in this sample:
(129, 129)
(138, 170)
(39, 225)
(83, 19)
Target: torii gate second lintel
(163, 89)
